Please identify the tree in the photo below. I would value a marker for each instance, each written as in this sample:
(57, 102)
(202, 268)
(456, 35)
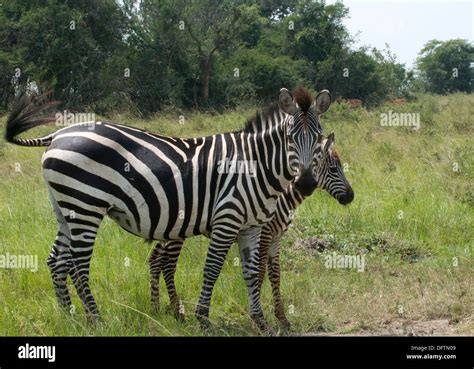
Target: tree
(156, 57)
(213, 26)
(66, 45)
(445, 67)
(317, 31)
(148, 55)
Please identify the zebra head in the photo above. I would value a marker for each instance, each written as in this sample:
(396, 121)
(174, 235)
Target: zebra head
(304, 134)
(331, 175)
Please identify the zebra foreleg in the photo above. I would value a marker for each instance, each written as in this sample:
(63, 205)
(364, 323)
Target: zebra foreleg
(249, 243)
(221, 241)
(274, 277)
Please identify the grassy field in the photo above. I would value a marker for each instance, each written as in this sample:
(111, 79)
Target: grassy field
(412, 219)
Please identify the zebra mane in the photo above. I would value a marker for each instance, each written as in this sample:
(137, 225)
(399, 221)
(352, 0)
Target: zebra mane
(303, 98)
(254, 124)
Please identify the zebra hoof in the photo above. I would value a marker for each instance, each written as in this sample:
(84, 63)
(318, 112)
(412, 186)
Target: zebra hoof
(93, 319)
(269, 332)
(66, 306)
(204, 321)
(154, 307)
(263, 326)
(285, 325)
(180, 317)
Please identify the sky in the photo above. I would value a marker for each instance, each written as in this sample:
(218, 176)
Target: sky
(407, 25)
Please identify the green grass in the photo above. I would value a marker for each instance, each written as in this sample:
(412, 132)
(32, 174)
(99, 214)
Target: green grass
(410, 274)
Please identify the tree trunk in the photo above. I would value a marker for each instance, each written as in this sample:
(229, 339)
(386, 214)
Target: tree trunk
(205, 75)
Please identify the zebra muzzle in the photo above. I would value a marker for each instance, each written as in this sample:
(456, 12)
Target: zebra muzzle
(306, 183)
(347, 197)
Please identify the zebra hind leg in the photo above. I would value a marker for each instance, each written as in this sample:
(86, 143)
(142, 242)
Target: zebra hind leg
(58, 263)
(60, 256)
(172, 250)
(155, 270)
(82, 243)
(266, 240)
(79, 218)
(163, 259)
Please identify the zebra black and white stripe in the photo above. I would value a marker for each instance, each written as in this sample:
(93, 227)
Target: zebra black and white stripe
(329, 177)
(165, 188)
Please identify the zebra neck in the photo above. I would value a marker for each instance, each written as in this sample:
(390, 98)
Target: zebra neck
(272, 150)
(295, 195)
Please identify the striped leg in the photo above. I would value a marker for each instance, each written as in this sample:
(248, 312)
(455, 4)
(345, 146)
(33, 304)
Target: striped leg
(221, 241)
(164, 259)
(81, 253)
(83, 232)
(155, 270)
(274, 277)
(249, 241)
(172, 251)
(79, 218)
(58, 261)
(266, 240)
(60, 256)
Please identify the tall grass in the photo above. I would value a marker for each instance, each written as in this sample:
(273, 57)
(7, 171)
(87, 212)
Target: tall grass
(412, 219)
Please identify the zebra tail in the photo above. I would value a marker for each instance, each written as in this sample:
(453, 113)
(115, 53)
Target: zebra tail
(29, 111)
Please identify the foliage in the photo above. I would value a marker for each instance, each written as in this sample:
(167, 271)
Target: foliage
(447, 66)
(67, 45)
(148, 56)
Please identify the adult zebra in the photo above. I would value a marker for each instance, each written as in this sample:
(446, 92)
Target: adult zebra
(164, 188)
(329, 177)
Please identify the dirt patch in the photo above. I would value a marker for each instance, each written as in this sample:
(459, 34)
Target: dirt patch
(438, 327)
(382, 244)
(312, 243)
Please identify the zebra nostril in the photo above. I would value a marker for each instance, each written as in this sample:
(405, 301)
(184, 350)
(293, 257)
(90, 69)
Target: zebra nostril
(347, 197)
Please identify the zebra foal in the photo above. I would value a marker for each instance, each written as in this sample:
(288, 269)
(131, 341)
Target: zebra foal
(329, 177)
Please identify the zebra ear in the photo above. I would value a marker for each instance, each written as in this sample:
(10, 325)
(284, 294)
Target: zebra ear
(285, 101)
(329, 142)
(322, 102)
